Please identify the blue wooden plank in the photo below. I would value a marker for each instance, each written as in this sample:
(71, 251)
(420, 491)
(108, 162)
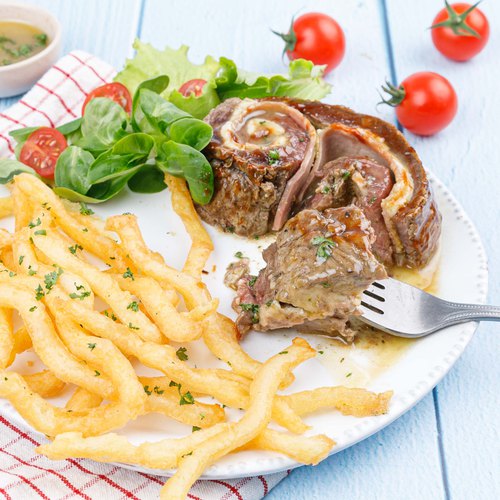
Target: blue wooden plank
(105, 29)
(465, 157)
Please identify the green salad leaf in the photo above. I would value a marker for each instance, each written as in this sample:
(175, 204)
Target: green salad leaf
(184, 161)
(9, 168)
(224, 79)
(149, 62)
(72, 169)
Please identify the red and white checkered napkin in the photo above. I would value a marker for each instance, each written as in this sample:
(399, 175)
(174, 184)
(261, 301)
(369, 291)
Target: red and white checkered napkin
(55, 99)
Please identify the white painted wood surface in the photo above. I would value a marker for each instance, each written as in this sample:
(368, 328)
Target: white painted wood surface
(448, 446)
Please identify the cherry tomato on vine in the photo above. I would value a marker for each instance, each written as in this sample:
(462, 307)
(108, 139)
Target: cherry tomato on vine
(42, 149)
(460, 31)
(193, 87)
(315, 37)
(425, 102)
(115, 91)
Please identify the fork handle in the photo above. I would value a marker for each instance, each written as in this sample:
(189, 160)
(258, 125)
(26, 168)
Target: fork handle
(461, 313)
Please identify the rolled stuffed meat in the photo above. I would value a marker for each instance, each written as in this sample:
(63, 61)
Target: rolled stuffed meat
(275, 157)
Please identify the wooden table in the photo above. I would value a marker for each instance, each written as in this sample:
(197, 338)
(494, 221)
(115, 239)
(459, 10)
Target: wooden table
(448, 445)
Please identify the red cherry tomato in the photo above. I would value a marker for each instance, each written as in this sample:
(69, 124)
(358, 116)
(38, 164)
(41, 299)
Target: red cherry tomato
(460, 31)
(193, 87)
(317, 38)
(115, 91)
(42, 149)
(425, 102)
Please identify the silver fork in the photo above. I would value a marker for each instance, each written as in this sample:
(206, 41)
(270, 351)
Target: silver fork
(406, 311)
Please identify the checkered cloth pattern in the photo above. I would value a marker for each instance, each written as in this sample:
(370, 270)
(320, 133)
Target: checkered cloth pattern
(56, 99)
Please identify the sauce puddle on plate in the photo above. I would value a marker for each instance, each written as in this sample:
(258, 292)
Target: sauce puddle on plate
(372, 352)
(19, 41)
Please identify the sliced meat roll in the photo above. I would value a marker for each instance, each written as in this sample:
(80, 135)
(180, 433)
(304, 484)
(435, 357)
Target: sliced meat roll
(315, 273)
(409, 211)
(260, 151)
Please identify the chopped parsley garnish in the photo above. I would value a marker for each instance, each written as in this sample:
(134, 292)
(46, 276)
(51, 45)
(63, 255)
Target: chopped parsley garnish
(325, 190)
(50, 279)
(41, 38)
(32, 224)
(113, 317)
(85, 230)
(196, 428)
(348, 375)
(132, 327)
(252, 280)
(252, 308)
(372, 200)
(91, 346)
(40, 232)
(85, 210)
(182, 354)
(321, 352)
(157, 390)
(74, 248)
(32, 309)
(31, 272)
(325, 246)
(97, 373)
(39, 293)
(238, 255)
(21, 258)
(147, 390)
(283, 352)
(80, 296)
(129, 274)
(186, 398)
(273, 156)
(346, 174)
(134, 306)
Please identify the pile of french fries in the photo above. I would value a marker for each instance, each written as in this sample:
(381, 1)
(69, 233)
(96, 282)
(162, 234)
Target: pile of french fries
(91, 305)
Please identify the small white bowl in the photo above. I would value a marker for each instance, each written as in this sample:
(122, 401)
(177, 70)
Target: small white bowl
(19, 77)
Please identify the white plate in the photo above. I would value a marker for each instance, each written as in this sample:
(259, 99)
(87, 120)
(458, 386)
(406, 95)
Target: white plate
(463, 277)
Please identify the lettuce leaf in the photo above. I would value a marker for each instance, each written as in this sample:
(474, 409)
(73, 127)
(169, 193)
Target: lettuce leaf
(225, 80)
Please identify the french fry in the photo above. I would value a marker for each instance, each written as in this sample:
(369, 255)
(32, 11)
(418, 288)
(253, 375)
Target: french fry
(6, 338)
(44, 383)
(103, 284)
(102, 354)
(163, 454)
(52, 420)
(262, 392)
(175, 325)
(21, 207)
(82, 400)
(349, 401)
(6, 207)
(46, 342)
(308, 450)
(83, 234)
(201, 246)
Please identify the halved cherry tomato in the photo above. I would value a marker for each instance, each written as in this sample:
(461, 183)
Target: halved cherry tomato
(425, 102)
(460, 31)
(317, 38)
(42, 149)
(193, 87)
(115, 91)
